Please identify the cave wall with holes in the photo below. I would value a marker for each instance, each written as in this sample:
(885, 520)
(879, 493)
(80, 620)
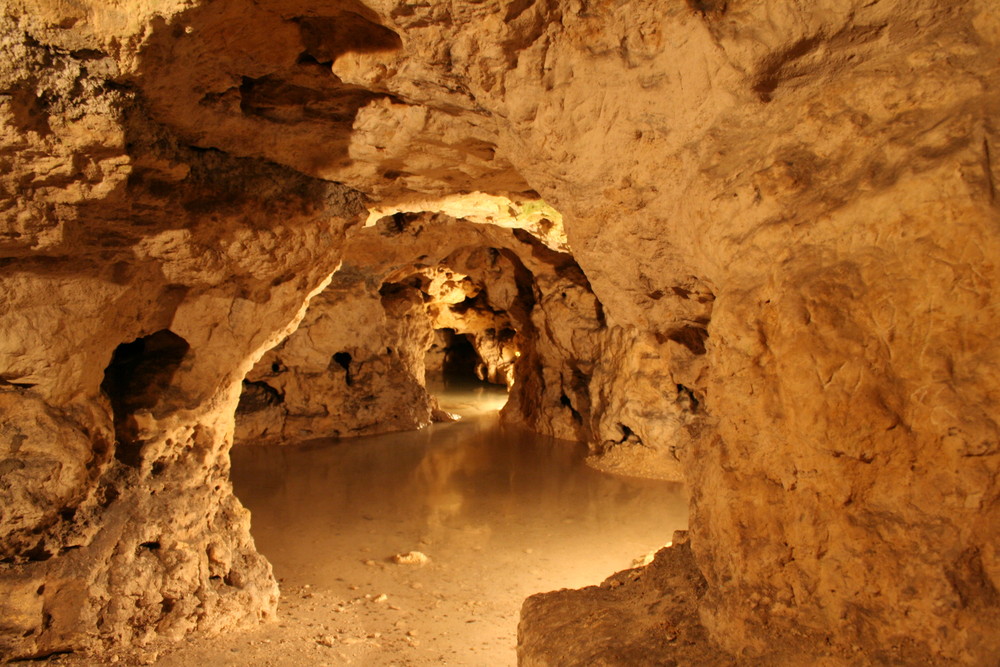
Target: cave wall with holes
(787, 213)
(356, 364)
(141, 281)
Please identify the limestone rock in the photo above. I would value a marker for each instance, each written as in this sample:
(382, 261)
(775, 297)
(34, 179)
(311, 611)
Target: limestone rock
(358, 362)
(783, 225)
(141, 282)
(643, 616)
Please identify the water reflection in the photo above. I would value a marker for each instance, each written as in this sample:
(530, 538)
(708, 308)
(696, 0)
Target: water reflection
(501, 512)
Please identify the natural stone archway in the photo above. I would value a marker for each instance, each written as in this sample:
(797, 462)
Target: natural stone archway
(399, 284)
(787, 214)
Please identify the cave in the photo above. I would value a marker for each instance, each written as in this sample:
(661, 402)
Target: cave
(743, 249)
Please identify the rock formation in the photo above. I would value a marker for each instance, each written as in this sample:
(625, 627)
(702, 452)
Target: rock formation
(783, 225)
(356, 364)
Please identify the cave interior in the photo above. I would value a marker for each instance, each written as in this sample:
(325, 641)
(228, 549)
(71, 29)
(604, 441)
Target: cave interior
(743, 249)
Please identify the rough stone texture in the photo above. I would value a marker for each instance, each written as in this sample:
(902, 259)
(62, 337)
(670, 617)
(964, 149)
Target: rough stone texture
(645, 617)
(351, 368)
(788, 212)
(356, 364)
(118, 519)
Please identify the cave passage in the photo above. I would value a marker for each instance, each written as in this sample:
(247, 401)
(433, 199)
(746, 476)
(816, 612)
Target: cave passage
(458, 376)
(461, 361)
(499, 512)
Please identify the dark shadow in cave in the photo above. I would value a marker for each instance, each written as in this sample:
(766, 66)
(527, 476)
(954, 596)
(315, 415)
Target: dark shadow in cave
(461, 366)
(137, 378)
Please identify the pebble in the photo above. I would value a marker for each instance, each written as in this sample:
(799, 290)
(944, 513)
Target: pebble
(411, 558)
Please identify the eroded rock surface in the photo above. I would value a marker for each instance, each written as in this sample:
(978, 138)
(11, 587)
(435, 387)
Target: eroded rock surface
(141, 281)
(644, 616)
(787, 213)
(356, 365)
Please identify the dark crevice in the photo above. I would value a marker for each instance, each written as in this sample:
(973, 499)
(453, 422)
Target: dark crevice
(343, 359)
(690, 336)
(38, 553)
(4, 382)
(139, 375)
(257, 396)
(45, 656)
(683, 393)
(567, 403)
(627, 433)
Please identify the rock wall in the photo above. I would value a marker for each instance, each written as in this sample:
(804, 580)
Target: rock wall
(787, 212)
(356, 364)
(353, 367)
(141, 281)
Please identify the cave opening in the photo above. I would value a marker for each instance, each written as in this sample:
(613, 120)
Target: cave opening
(138, 376)
(425, 542)
(461, 364)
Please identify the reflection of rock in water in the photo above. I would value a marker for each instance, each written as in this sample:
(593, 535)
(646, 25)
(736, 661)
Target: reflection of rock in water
(467, 397)
(500, 513)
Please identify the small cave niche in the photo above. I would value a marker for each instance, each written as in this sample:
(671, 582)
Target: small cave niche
(138, 377)
(257, 396)
(343, 360)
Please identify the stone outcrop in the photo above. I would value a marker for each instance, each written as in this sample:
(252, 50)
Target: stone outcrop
(783, 224)
(645, 616)
(142, 279)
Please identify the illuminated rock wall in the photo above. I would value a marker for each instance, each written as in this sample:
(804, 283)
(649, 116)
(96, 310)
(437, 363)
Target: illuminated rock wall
(355, 366)
(787, 212)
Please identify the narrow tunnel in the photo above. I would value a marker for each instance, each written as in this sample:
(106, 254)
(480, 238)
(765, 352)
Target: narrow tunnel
(460, 363)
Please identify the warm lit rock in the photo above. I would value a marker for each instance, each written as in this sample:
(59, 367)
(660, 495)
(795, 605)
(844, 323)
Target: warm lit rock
(643, 616)
(356, 365)
(142, 279)
(783, 223)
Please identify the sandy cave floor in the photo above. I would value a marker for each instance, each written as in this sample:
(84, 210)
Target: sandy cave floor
(500, 514)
